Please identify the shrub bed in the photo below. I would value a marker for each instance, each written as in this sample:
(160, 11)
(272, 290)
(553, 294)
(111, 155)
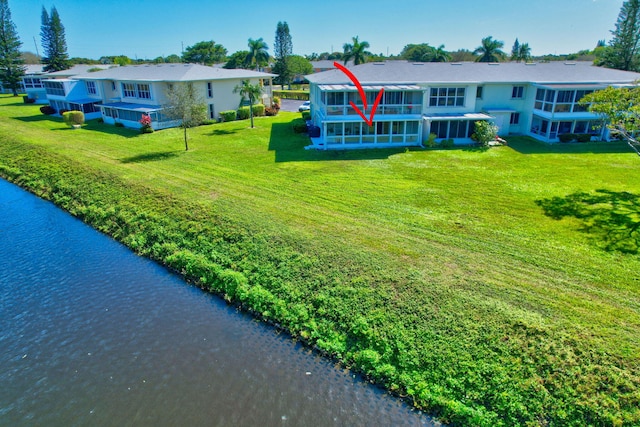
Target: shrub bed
(228, 116)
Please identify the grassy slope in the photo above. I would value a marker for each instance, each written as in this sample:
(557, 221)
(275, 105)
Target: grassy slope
(435, 272)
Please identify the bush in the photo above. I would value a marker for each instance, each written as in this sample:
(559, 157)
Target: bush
(243, 113)
(567, 137)
(276, 101)
(73, 118)
(48, 110)
(258, 110)
(28, 100)
(583, 137)
(306, 115)
(209, 122)
(431, 140)
(299, 126)
(447, 143)
(229, 115)
(146, 129)
(485, 132)
(271, 111)
(119, 125)
(301, 95)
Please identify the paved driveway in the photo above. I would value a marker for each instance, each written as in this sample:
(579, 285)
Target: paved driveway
(290, 104)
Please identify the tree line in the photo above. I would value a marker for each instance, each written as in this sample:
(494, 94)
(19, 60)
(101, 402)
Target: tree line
(622, 52)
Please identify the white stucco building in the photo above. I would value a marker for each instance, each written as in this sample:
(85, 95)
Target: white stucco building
(538, 99)
(124, 94)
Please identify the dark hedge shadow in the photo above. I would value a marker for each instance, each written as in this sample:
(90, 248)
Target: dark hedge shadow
(612, 218)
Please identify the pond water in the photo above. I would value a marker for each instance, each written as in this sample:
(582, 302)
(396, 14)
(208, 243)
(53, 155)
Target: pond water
(91, 334)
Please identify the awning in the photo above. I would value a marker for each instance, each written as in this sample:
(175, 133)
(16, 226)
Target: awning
(458, 116)
(352, 88)
(593, 86)
(141, 108)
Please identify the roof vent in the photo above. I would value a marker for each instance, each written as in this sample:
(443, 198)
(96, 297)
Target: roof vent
(493, 63)
(569, 63)
(529, 63)
(418, 63)
(378, 63)
(456, 63)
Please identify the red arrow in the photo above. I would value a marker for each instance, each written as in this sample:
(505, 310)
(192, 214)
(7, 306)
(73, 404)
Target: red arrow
(355, 81)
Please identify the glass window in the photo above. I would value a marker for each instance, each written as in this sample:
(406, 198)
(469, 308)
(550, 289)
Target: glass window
(91, 88)
(335, 98)
(517, 92)
(209, 90)
(128, 90)
(515, 119)
(144, 91)
(54, 88)
(447, 97)
(479, 92)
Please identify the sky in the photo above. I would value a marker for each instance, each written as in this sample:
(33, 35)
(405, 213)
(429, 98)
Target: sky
(148, 29)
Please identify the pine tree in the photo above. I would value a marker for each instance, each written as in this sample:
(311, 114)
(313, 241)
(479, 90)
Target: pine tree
(282, 49)
(54, 43)
(622, 53)
(515, 51)
(11, 63)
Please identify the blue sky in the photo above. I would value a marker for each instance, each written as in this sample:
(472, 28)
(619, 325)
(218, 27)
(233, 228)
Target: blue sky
(147, 29)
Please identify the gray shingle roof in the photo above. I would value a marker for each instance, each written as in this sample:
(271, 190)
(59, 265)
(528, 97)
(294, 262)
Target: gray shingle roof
(402, 72)
(171, 73)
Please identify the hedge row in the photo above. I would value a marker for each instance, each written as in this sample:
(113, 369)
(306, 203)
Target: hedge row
(242, 113)
(302, 95)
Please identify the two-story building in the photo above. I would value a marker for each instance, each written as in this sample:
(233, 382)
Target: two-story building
(124, 94)
(446, 99)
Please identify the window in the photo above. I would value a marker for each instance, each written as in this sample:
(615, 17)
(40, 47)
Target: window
(335, 98)
(32, 83)
(128, 90)
(479, 91)
(113, 86)
(91, 88)
(54, 88)
(144, 91)
(515, 119)
(209, 90)
(517, 92)
(446, 97)
(212, 112)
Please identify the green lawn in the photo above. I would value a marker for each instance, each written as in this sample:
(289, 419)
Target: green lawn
(490, 287)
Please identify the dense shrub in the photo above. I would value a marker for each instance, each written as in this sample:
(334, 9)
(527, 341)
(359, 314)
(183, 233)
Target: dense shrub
(209, 122)
(567, 137)
(583, 137)
(485, 132)
(276, 101)
(243, 113)
(73, 118)
(28, 100)
(447, 143)
(306, 115)
(301, 95)
(258, 110)
(271, 111)
(229, 115)
(48, 110)
(299, 126)
(119, 125)
(431, 140)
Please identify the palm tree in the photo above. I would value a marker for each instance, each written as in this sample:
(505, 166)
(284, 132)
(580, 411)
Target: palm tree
(439, 55)
(247, 90)
(355, 51)
(258, 52)
(490, 51)
(524, 52)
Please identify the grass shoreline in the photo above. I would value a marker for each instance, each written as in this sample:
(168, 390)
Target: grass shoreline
(467, 312)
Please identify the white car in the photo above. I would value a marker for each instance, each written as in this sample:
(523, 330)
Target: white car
(305, 106)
